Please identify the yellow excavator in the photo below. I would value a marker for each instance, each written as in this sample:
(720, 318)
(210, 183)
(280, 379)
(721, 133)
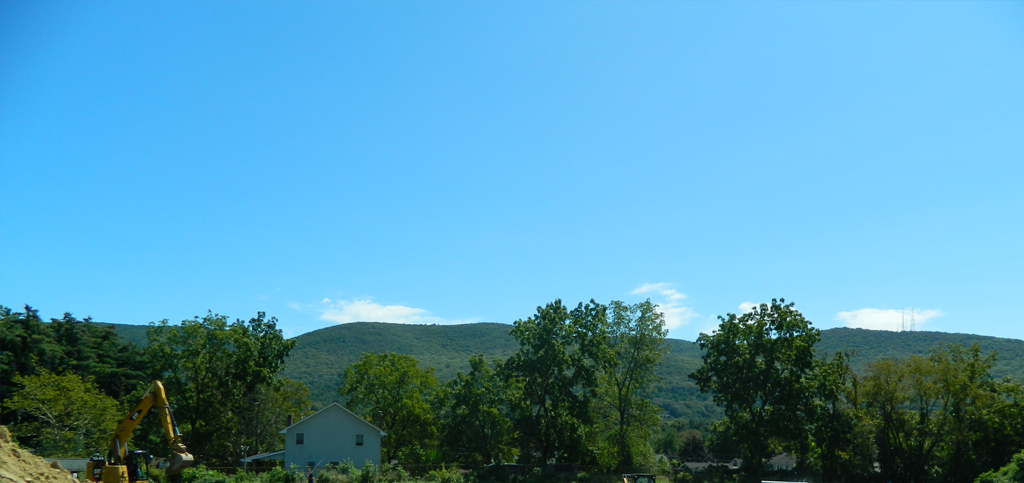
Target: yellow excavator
(124, 466)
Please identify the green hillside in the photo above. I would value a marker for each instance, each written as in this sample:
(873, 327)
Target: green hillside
(320, 357)
(871, 345)
(131, 333)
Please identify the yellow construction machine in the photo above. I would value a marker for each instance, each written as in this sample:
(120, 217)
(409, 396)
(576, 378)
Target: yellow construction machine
(124, 466)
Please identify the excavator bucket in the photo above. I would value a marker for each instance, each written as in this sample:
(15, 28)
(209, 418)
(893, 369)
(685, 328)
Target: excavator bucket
(179, 461)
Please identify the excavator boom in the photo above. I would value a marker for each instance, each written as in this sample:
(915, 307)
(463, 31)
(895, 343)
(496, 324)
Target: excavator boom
(118, 456)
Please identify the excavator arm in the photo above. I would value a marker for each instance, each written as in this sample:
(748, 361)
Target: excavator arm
(156, 396)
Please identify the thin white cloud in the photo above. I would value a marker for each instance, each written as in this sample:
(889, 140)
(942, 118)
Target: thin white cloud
(649, 287)
(676, 315)
(364, 309)
(746, 307)
(886, 319)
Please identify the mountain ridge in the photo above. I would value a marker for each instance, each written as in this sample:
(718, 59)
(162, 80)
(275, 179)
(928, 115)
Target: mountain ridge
(320, 357)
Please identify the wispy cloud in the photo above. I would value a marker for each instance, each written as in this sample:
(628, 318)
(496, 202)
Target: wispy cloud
(747, 307)
(364, 309)
(669, 303)
(885, 319)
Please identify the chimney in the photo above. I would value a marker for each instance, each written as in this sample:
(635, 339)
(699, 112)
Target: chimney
(289, 420)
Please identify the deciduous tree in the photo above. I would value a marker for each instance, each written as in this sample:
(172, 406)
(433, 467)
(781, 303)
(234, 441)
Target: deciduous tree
(757, 367)
(71, 416)
(212, 369)
(940, 417)
(625, 415)
(840, 434)
(474, 417)
(391, 391)
(556, 368)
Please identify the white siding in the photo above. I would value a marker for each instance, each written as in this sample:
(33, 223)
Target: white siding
(330, 436)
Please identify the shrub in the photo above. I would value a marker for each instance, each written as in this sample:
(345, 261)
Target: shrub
(682, 476)
(200, 474)
(445, 475)
(331, 475)
(280, 475)
(1011, 473)
(393, 474)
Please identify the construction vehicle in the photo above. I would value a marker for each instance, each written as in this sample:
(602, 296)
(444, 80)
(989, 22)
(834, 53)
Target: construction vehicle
(123, 466)
(638, 478)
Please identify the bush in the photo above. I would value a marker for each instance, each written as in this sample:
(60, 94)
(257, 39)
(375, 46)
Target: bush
(369, 472)
(280, 475)
(682, 476)
(332, 475)
(347, 468)
(445, 475)
(393, 474)
(156, 475)
(200, 474)
(1011, 473)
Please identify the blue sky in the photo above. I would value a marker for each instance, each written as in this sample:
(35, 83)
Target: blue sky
(435, 162)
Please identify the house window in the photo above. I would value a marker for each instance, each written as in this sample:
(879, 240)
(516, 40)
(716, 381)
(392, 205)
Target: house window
(300, 438)
(359, 440)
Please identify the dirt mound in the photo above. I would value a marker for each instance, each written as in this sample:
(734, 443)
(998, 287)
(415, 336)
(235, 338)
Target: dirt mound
(20, 466)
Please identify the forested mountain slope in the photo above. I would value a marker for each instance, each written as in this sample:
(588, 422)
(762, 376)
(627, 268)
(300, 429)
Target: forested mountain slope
(131, 333)
(320, 357)
(871, 345)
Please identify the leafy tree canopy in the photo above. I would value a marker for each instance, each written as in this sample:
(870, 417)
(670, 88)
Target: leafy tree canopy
(556, 368)
(757, 367)
(625, 414)
(215, 373)
(70, 416)
(390, 391)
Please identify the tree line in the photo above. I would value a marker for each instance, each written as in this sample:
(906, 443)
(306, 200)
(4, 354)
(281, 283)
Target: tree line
(937, 418)
(578, 390)
(65, 383)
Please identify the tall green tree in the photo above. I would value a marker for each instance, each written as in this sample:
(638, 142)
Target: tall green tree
(757, 366)
(70, 416)
(625, 414)
(93, 351)
(556, 368)
(212, 369)
(392, 392)
(265, 410)
(940, 417)
(474, 417)
(840, 446)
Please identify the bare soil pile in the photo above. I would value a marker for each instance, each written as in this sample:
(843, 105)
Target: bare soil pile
(20, 466)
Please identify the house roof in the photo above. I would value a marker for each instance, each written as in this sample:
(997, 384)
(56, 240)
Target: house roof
(343, 408)
(275, 455)
(782, 459)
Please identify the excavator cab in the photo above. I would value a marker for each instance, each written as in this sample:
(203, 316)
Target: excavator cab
(94, 468)
(138, 465)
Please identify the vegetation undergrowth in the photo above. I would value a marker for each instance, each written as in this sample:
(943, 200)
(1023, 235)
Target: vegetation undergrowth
(1011, 473)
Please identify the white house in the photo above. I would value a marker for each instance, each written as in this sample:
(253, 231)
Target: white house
(329, 436)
